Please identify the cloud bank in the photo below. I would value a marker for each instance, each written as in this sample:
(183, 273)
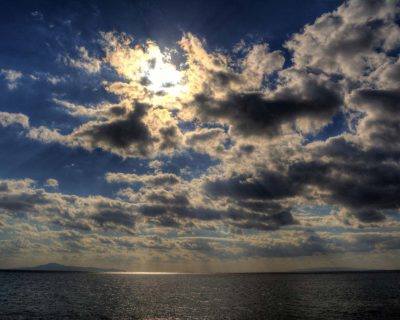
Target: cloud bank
(263, 120)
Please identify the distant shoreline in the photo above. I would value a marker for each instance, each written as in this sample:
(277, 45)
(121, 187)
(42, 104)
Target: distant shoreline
(199, 273)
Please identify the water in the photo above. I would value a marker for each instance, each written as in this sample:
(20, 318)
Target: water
(53, 295)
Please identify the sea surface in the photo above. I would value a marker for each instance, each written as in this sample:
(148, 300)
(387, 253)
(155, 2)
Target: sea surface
(69, 295)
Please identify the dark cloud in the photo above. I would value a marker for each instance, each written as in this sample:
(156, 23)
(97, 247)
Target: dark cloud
(385, 103)
(283, 218)
(349, 177)
(368, 187)
(259, 206)
(255, 114)
(170, 138)
(22, 203)
(115, 217)
(246, 149)
(121, 133)
(153, 210)
(167, 221)
(224, 78)
(381, 124)
(266, 216)
(369, 216)
(117, 111)
(352, 179)
(265, 185)
(201, 213)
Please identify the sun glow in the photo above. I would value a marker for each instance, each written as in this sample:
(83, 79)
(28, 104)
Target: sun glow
(163, 76)
(152, 76)
(160, 75)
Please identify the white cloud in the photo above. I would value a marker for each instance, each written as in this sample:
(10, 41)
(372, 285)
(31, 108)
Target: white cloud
(12, 77)
(7, 119)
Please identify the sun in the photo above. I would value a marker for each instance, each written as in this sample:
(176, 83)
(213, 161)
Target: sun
(149, 73)
(161, 75)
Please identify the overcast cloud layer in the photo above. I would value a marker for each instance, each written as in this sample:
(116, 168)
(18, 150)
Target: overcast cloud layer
(248, 158)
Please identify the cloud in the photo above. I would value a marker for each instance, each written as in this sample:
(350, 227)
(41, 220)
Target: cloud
(7, 119)
(152, 180)
(302, 100)
(52, 183)
(46, 135)
(266, 185)
(233, 121)
(254, 114)
(126, 130)
(119, 135)
(206, 140)
(12, 77)
(258, 63)
(351, 40)
(83, 61)
(114, 217)
(303, 245)
(22, 199)
(263, 221)
(296, 148)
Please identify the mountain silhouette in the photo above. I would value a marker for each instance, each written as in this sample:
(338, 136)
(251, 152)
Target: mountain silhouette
(60, 267)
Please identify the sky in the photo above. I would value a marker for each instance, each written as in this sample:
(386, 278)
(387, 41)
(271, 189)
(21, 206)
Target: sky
(200, 136)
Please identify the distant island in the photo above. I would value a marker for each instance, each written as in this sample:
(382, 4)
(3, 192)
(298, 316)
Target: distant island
(56, 267)
(60, 267)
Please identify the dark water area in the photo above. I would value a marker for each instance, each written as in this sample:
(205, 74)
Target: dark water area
(69, 295)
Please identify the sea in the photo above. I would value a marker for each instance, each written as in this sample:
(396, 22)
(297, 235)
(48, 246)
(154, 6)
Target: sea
(74, 295)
